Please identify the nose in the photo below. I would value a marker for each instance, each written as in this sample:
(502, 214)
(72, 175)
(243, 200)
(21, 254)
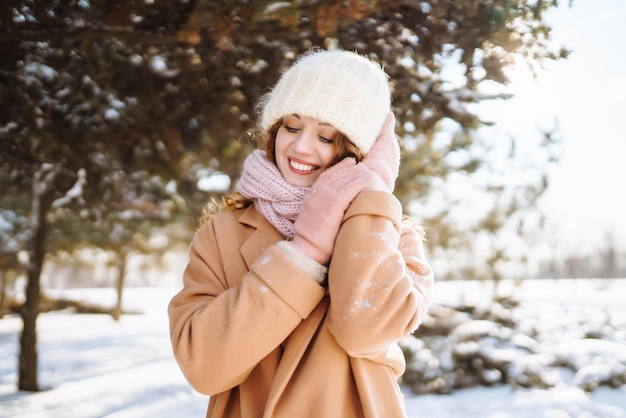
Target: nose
(304, 143)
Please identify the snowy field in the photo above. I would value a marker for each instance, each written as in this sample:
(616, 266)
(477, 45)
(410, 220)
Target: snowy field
(92, 366)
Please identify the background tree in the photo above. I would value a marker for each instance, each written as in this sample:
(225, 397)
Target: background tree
(101, 98)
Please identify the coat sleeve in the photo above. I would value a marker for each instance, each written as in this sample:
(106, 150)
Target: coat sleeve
(220, 332)
(379, 282)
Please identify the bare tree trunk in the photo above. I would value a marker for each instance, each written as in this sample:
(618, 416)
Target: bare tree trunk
(43, 182)
(121, 274)
(30, 310)
(4, 278)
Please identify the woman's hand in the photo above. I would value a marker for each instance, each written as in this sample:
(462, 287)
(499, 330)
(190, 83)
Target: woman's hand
(384, 157)
(323, 208)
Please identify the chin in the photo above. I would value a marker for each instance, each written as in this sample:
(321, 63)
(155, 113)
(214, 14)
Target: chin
(300, 182)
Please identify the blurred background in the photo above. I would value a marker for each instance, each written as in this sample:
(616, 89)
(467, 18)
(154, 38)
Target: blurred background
(121, 120)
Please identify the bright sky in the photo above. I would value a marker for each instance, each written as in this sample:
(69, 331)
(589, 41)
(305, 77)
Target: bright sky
(587, 94)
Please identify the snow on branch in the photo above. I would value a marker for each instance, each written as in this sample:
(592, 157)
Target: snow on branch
(75, 192)
(44, 178)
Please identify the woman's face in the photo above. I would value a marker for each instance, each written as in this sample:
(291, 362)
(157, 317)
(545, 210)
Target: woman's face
(304, 149)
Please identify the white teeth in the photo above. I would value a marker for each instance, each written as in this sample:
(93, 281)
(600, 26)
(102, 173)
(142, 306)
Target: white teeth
(301, 167)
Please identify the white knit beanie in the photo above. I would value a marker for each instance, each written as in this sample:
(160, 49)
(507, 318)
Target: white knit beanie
(337, 87)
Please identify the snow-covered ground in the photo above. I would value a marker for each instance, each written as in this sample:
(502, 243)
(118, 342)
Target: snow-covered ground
(93, 366)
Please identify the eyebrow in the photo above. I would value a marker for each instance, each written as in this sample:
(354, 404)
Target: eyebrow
(320, 124)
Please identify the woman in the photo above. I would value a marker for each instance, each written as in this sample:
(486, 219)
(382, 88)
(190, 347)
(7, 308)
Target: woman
(296, 294)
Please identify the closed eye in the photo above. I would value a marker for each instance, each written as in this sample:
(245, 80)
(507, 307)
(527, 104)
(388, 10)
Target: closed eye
(293, 130)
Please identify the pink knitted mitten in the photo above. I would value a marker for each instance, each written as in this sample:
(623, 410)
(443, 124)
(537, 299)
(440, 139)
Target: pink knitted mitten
(384, 157)
(322, 210)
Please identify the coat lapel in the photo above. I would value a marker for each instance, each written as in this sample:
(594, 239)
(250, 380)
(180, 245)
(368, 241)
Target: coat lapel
(296, 346)
(264, 235)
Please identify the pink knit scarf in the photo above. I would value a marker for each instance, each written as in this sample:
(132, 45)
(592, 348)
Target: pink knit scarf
(276, 199)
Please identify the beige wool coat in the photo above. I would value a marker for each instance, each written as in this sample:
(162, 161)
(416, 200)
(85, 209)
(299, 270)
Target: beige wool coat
(254, 331)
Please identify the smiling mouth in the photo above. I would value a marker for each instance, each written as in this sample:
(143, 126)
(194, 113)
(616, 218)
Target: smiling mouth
(301, 167)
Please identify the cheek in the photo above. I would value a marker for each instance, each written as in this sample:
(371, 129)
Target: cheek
(280, 148)
(327, 154)
(279, 145)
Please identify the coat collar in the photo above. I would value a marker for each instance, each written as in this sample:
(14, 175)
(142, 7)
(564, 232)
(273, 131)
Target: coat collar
(264, 235)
